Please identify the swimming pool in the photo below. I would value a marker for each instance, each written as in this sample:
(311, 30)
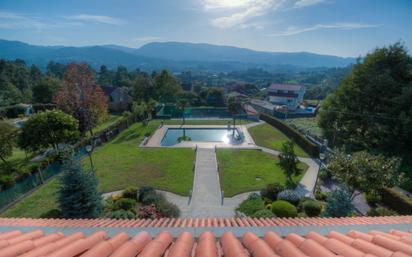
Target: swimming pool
(224, 135)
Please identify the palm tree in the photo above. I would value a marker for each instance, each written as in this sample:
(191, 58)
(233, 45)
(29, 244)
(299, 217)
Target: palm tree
(181, 104)
(234, 108)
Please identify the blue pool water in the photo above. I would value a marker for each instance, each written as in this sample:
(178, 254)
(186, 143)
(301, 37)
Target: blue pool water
(199, 135)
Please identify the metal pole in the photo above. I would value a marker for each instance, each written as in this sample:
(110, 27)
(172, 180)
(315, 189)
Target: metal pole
(91, 161)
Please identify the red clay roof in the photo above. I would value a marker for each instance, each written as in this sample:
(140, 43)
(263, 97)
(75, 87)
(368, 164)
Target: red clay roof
(36, 243)
(203, 222)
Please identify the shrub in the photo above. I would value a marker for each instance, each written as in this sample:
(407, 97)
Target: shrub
(130, 192)
(302, 215)
(284, 209)
(126, 204)
(253, 196)
(149, 212)
(249, 207)
(321, 196)
(338, 204)
(289, 196)
(121, 214)
(271, 191)
(167, 209)
(152, 198)
(372, 198)
(144, 190)
(6, 181)
(381, 211)
(263, 214)
(312, 208)
(397, 201)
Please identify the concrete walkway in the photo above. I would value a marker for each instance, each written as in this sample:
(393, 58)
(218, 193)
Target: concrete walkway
(206, 197)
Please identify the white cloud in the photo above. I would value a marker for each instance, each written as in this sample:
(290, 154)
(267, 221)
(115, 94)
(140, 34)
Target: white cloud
(96, 18)
(239, 12)
(291, 31)
(306, 3)
(10, 20)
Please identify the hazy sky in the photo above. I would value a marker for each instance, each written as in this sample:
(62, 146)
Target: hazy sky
(338, 27)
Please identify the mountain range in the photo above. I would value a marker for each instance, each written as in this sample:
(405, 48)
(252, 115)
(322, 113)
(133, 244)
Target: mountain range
(176, 56)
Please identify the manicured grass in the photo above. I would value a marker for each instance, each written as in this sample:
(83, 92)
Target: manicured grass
(120, 164)
(239, 168)
(37, 204)
(270, 137)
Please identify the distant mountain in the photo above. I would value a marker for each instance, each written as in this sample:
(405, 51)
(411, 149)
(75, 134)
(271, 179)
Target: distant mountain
(172, 55)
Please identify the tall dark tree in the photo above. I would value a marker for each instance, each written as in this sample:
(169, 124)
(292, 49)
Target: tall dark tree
(45, 90)
(288, 161)
(215, 97)
(234, 107)
(105, 76)
(143, 88)
(167, 86)
(35, 74)
(371, 110)
(78, 194)
(7, 139)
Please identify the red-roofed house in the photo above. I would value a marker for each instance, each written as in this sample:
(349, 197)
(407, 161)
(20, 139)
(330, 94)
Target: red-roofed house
(286, 94)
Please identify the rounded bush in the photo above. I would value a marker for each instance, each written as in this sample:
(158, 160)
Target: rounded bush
(130, 192)
(152, 198)
(312, 208)
(125, 204)
(263, 214)
(121, 214)
(168, 210)
(145, 190)
(284, 209)
(289, 196)
(381, 211)
(249, 207)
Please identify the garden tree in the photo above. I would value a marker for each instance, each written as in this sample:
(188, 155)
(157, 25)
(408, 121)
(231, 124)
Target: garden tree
(371, 110)
(78, 195)
(105, 77)
(143, 88)
(81, 97)
(35, 74)
(139, 109)
(121, 78)
(7, 138)
(184, 99)
(49, 128)
(235, 107)
(215, 97)
(338, 204)
(56, 69)
(365, 172)
(288, 161)
(150, 108)
(45, 90)
(166, 86)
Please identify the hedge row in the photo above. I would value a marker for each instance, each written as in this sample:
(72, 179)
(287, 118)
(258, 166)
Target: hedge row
(309, 147)
(397, 201)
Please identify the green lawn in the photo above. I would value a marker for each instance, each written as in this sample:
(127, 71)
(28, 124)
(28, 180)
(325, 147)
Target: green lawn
(37, 204)
(120, 164)
(270, 137)
(111, 119)
(309, 125)
(239, 168)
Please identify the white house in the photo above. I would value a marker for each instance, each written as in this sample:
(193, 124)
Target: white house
(286, 94)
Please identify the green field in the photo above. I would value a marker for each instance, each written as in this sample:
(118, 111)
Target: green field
(239, 169)
(270, 137)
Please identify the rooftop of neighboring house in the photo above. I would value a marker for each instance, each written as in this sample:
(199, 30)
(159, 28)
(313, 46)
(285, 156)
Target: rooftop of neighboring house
(286, 87)
(276, 237)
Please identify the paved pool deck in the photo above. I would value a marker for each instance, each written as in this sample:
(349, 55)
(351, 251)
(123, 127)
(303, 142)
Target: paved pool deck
(156, 139)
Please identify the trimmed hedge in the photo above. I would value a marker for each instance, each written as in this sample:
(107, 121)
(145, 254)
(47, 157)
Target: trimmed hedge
(397, 201)
(283, 209)
(309, 147)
